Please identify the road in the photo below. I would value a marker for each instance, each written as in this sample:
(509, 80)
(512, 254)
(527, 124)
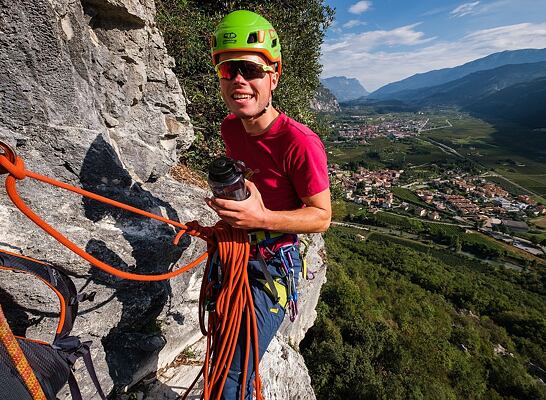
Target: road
(407, 235)
(445, 148)
(350, 225)
(449, 125)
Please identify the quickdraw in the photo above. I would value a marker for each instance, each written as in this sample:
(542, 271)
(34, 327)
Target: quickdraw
(233, 301)
(292, 292)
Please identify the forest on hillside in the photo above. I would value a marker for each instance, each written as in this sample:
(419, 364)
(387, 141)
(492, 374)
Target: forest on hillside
(394, 323)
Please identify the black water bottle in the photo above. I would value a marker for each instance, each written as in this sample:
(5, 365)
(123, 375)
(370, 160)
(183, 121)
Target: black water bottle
(227, 179)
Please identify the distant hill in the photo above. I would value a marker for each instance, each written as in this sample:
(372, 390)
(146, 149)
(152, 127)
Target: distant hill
(441, 76)
(467, 89)
(523, 103)
(344, 88)
(324, 100)
(381, 106)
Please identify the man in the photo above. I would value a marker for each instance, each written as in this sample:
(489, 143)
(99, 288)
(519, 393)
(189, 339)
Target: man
(289, 191)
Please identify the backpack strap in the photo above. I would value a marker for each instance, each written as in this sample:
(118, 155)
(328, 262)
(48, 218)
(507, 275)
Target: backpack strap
(69, 347)
(73, 348)
(55, 279)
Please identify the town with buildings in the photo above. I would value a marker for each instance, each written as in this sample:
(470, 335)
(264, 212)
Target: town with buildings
(468, 200)
(449, 194)
(363, 130)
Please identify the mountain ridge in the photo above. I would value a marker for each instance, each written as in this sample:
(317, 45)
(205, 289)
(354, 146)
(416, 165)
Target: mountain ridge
(343, 88)
(522, 103)
(444, 75)
(467, 89)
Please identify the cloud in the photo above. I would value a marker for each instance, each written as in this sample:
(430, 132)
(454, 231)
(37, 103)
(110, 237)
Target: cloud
(360, 7)
(367, 56)
(526, 35)
(366, 41)
(465, 9)
(352, 23)
(435, 11)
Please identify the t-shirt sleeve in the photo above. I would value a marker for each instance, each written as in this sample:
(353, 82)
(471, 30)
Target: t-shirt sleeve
(308, 166)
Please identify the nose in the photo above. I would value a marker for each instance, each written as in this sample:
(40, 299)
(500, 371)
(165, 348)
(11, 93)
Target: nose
(239, 78)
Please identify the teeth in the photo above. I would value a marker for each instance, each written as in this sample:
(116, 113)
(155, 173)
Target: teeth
(241, 96)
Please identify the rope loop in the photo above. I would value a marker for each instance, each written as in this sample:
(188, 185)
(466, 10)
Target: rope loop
(18, 171)
(203, 232)
(10, 163)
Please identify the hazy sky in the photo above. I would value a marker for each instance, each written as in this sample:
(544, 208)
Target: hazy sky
(382, 41)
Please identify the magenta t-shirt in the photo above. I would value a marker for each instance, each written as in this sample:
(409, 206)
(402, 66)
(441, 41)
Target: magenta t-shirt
(288, 160)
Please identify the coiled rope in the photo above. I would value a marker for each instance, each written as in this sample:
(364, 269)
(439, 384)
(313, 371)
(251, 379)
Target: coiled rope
(234, 299)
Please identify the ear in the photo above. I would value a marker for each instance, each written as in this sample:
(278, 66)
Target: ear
(274, 80)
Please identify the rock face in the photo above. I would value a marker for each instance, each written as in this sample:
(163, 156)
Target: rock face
(87, 96)
(324, 100)
(344, 89)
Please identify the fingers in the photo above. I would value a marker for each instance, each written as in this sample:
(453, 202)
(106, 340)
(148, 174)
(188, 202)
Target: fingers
(222, 204)
(250, 185)
(252, 189)
(223, 211)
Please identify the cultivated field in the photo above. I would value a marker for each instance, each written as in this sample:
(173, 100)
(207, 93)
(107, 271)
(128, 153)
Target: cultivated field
(540, 222)
(512, 151)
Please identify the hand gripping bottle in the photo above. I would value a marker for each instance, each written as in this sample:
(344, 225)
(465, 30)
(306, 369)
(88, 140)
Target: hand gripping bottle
(227, 179)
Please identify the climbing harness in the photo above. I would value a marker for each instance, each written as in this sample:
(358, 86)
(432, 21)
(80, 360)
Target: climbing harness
(234, 298)
(33, 369)
(282, 289)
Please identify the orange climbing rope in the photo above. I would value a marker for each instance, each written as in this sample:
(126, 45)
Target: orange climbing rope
(19, 360)
(15, 167)
(234, 300)
(232, 304)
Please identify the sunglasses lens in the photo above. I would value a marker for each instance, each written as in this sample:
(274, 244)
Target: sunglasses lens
(248, 70)
(224, 70)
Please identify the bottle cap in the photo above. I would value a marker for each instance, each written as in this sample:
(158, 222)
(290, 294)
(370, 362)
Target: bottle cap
(224, 170)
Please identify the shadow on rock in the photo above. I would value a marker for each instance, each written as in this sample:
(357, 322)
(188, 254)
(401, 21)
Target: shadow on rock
(137, 245)
(17, 318)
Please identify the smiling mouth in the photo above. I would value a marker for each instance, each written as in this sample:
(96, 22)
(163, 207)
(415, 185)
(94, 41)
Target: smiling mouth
(239, 96)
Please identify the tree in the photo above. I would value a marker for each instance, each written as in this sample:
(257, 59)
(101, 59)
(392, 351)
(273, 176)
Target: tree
(187, 26)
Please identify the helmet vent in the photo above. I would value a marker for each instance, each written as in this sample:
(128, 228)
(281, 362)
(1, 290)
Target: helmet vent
(252, 38)
(274, 43)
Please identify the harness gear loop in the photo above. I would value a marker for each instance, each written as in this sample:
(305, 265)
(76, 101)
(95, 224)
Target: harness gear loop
(19, 360)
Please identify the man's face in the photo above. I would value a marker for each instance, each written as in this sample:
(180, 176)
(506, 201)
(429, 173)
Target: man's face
(247, 98)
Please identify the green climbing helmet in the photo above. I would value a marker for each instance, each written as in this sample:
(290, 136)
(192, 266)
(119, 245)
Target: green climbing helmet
(244, 30)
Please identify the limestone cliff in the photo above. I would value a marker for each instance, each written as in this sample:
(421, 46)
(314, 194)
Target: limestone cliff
(324, 100)
(87, 96)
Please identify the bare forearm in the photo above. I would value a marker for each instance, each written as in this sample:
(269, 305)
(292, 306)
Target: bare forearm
(252, 213)
(303, 220)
